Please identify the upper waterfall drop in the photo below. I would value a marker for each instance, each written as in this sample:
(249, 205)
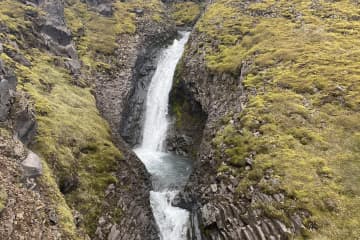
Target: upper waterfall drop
(169, 172)
(156, 122)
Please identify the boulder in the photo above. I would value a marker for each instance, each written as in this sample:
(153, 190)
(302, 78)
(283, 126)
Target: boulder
(32, 165)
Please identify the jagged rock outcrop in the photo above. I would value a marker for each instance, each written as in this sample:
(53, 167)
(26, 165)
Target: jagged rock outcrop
(56, 35)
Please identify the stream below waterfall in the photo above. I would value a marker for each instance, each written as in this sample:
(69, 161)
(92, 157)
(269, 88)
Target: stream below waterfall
(169, 172)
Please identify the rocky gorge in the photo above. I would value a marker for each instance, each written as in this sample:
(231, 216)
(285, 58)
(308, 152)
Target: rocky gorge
(265, 101)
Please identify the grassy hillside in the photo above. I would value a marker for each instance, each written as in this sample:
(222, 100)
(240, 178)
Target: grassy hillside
(73, 139)
(302, 118)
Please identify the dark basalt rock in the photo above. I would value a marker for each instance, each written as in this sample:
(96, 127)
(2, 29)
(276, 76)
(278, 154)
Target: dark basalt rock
(7, 91)
(24, 118)
(145, 66)
(54, 32)
(133, 118)
(17, 56)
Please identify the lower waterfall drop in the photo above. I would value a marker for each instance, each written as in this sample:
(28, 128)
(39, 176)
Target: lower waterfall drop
(169, 172)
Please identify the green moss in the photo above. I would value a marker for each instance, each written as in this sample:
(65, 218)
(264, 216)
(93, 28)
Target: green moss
(72, 136)
(302, 121)
(185, 13)
(66, 219)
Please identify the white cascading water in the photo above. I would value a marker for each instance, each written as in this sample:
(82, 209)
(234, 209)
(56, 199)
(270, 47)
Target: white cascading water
(169, 172)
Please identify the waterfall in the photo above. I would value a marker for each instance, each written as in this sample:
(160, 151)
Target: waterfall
(169, 172)
(156, 122)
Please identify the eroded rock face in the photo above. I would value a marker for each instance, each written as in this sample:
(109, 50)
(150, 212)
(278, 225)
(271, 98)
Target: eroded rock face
(144, 68)
(56, 35)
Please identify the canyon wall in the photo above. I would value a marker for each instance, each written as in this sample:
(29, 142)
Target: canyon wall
(276, 87)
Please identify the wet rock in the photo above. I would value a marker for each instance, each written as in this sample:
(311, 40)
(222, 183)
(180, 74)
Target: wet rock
(223, 212)
(32, 165)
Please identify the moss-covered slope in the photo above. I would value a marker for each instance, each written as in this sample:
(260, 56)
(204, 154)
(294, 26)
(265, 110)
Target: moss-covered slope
(299, 64)
(73, 140)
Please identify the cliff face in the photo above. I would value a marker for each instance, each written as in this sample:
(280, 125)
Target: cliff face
(64, 65)
(276, 83)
